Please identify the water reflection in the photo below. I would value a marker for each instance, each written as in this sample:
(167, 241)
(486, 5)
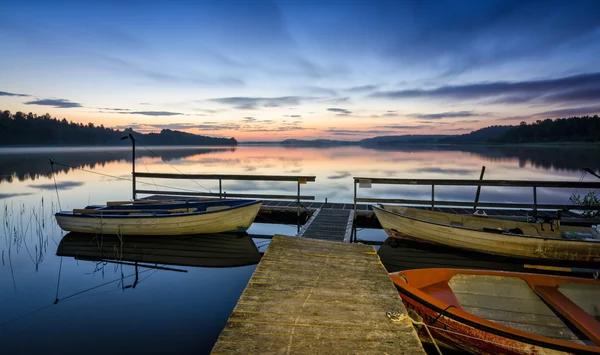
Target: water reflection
(32, 163)
(218, 250)
(398, 255)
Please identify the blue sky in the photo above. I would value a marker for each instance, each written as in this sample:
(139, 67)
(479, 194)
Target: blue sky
(258, 69)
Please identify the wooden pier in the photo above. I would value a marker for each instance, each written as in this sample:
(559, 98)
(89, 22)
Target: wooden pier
(312, 296)
(329, 224)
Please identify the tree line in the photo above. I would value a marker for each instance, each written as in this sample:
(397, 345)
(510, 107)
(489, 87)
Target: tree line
(572, 129)
(30, 129)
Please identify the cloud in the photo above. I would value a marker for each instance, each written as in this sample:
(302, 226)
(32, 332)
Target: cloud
(249, 119)
(462, 121)
(579, 87)
(439, 116)
(153, 113)
(293, 116)
(363, 88)
(339, 175)
(441, 123)
(145, 103)
(564, 112)
(319, 90)
(403, 127)
(58, 103)
(349, 132)
(250, 103)
(65, 185)
(4, 93)
(163, 75)
(340, 111)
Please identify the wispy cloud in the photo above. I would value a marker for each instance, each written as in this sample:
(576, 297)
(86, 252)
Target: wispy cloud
(153, 113)
(350, 132)
(362, 88)
(4, 93)
(562, 113)
(58, 103)
(450, 114)
(340, 111)
(250, 103)
(403, 127)
(576, 87)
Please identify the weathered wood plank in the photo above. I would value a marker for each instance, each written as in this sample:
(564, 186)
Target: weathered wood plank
(313, 296)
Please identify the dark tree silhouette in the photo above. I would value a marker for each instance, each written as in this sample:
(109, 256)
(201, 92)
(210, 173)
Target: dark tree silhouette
(30, 129)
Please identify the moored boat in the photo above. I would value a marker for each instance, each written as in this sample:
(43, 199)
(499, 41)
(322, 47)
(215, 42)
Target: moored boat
(164, 218)
(495, 312)
(550, 241)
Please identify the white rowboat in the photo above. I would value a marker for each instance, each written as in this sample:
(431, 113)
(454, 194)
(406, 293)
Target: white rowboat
(488, 235)
(180, 218)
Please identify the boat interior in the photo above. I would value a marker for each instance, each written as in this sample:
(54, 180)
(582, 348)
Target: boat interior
(158, 208)
(560, 308)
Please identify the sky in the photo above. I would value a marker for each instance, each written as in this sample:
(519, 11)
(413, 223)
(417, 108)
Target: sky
(271, 70)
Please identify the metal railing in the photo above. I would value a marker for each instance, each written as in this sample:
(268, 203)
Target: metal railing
(300, 180)
(367, 182)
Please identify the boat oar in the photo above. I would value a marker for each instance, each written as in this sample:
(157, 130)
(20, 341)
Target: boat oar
(562, 269)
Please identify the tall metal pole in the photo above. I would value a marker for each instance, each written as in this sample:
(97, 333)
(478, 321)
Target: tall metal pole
(133, 165)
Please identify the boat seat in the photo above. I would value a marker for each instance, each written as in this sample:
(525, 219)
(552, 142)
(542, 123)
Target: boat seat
(217, 208)
(511, 302)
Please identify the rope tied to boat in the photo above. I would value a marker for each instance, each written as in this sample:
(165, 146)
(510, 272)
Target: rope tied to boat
(416, 320)
(55, 185)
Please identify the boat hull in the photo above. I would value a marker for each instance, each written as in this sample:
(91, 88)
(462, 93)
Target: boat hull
(530, 247)
(236, 219)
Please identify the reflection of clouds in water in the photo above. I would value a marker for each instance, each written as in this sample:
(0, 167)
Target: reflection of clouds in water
(339, 175)
(63, 185)
(3, 196)
(446, 171)
(250, 168)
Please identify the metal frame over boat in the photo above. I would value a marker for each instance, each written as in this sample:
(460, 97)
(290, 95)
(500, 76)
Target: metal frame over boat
(171, 218)
(495, 312)
(487, 235)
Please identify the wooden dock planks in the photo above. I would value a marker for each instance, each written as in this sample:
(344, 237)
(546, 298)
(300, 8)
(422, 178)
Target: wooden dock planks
(313, 296)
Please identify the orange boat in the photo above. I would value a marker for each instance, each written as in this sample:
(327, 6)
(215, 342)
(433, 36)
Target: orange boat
(496, 312)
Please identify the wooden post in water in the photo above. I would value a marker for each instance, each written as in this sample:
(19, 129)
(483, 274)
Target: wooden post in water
(432, 197)
(478, 189)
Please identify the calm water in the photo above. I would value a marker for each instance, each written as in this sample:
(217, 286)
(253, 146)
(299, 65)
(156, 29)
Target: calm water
(183, 309)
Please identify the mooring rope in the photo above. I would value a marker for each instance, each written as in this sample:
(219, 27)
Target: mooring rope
(179, 171)
(121, 178)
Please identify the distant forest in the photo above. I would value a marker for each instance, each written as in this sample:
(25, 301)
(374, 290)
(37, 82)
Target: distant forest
(574, 129)
(30, 129)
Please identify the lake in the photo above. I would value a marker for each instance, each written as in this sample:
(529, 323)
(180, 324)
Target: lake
(107, 307)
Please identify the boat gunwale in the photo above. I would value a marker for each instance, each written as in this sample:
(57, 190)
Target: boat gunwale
(375, 207)
(471, 320)
(180, 214)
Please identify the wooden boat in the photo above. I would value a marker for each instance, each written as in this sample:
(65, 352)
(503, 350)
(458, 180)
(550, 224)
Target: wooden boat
(488, 235)
(495, 312)
(166, 218)
(210, 250)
